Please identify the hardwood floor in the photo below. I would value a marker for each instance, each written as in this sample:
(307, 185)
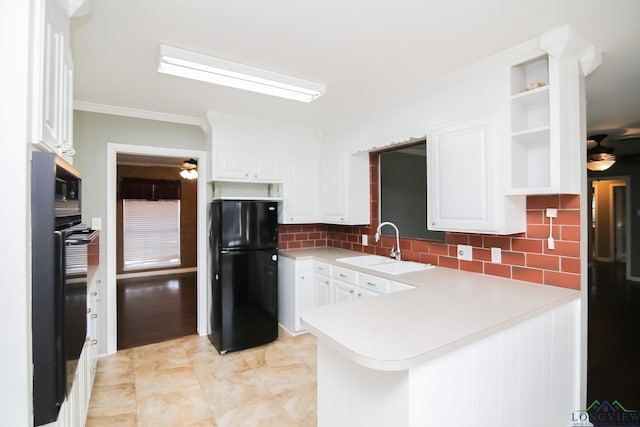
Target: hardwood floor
(614, 336)
(155, 309)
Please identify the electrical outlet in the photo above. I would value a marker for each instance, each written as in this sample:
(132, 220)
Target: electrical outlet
(465, 252)
(496, 255)
(365, 240)
(552, 212)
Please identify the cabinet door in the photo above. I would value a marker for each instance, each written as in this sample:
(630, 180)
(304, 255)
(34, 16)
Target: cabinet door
(266, 168)
(301, 193)
(343, 292)
(333, 193)
(460, 194)
(51, 84)
(346, 189)
(304, 295)
(229, 165)
(321, 291)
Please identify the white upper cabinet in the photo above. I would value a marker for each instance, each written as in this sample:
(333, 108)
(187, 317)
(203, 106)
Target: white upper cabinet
(245, 166)
(464, 187)
(547, 107)
(301, 198)
(345, 189)
(51, 100)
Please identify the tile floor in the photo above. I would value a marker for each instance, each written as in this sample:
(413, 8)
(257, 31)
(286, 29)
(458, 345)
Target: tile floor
(185, 382)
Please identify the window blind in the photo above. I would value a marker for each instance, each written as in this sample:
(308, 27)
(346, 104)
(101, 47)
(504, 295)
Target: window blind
(151, 233)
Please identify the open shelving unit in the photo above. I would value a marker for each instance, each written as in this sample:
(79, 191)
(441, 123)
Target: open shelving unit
(530, 126)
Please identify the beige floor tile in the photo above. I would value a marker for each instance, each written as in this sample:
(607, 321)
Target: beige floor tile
(280, 379)
(226, 393)
(178, 407)
(112, 400)
(186, 382)
(165, 379)
(154, 357)
(116, 369)
(124, 420)
(257, 413)
(300, 403)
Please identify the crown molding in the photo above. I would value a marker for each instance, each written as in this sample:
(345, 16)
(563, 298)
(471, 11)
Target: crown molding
(141, 114)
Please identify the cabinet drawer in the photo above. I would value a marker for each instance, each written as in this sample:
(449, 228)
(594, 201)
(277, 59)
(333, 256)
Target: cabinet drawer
(374, 283)
(344, 274)
(322, 268)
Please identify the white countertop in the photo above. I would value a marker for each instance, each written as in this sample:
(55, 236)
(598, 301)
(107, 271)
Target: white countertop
(448, 309)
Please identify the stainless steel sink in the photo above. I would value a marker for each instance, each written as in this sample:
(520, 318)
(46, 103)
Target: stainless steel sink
(384, 264)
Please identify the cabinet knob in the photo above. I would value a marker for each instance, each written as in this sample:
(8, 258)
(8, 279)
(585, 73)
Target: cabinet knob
(351, 291)
(93, 316)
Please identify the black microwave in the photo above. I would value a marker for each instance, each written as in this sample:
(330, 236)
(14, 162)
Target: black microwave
(65, 184)
(67, 196)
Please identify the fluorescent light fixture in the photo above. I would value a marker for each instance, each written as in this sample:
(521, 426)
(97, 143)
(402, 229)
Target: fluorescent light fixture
(198, 66)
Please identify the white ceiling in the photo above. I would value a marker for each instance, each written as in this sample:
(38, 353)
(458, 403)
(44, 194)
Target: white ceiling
(367, 53)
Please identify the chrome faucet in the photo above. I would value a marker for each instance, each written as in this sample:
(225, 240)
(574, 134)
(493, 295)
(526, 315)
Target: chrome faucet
(395, 250)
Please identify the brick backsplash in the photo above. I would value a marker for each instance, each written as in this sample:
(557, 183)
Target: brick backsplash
(525, 256)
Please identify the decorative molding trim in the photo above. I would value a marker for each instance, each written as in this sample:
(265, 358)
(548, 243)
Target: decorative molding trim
(141, 114)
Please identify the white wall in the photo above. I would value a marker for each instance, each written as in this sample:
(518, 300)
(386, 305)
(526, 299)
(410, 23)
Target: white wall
(240, 133)
(479, 87)
(15, 303)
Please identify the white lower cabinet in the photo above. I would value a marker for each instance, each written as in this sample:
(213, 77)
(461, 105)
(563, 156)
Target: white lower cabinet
(74, 410)
(295, 292)
(307, 283)
(322, 288)
(343, 291)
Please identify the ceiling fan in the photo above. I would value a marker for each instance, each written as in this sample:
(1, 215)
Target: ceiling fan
(600, 158)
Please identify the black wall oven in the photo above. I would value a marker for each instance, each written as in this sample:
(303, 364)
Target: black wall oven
(59, 281)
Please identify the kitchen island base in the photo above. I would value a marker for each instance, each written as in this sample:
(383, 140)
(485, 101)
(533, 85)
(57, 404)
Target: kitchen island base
(523, 375)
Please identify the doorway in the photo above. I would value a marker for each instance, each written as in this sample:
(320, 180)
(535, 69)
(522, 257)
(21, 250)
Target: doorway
(113, 150)
(156, 239)
(613, 319)
(609, 219)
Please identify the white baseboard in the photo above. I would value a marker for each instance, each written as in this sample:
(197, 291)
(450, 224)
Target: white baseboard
(156, 273)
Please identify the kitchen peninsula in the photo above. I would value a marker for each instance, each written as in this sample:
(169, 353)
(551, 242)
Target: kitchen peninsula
(458, 348)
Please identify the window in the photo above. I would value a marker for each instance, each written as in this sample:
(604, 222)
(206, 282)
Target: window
(151, 233)
(403, 191)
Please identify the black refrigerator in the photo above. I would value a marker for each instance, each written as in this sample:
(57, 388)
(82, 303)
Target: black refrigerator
(244, 279)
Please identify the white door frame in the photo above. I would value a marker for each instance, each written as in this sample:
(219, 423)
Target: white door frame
(201, 229)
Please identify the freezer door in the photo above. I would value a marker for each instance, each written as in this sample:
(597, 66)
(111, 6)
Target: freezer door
(245, 312)
(247, 225)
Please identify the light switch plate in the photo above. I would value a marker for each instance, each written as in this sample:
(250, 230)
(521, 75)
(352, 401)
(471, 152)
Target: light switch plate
(465, 252)
(96, 223)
